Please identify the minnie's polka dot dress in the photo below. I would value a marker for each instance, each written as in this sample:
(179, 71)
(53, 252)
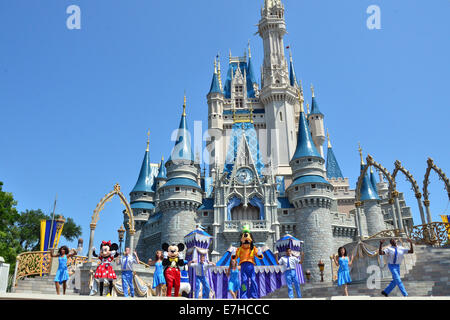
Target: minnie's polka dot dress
(105, 269)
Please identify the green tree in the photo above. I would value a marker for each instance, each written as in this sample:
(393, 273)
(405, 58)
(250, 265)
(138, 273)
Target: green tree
(9, 245)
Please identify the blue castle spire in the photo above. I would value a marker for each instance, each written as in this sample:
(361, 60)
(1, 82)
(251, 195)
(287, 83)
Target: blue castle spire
(305, 144)
(215, 83)
(367, 191)
(333, 169)
(145, 179)
(373, 180)
(162, 170)
(314, 105)
(182, 149)
(292, 76)
(250, 71)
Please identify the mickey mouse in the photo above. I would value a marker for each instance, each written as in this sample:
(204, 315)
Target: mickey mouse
(105, 270)
(172, 264)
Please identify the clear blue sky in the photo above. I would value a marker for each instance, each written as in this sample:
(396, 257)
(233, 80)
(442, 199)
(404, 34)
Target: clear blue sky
(76, 104)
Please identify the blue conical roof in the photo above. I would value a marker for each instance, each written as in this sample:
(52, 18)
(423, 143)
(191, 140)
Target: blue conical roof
(292, 77)
(182, 149)
(373, 181)
(315, 107)
(367, 191)
(250, 72)
(162, 171)
(305, 145)
(333, 169)
(215, 85)
(145, 180)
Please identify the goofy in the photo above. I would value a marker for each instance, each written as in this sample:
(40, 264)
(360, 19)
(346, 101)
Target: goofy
(246, 254)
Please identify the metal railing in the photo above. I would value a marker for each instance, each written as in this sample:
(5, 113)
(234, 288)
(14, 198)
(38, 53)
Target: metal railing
(39, 263)
(31, 264)
(434, 234)
(386, 234)
(237, 225)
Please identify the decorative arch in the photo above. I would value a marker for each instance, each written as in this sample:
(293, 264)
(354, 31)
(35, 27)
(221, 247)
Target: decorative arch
(426, 182)
(415, 187)
(99, 208)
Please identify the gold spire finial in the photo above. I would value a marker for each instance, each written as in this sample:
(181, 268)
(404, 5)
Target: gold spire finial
(184, 105)
(162, 158)
(301, 100)
(312, 90)
(218, 71)
(360, 153)
(148, 140)
(249, 50)
(307, 107)
(328, 137)
(215, 65)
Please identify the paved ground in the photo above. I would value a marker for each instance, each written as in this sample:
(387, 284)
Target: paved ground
(27, 296)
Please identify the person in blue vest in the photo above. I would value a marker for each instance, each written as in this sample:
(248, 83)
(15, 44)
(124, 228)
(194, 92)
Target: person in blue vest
(290, 263)
(395, 255)
(200, 276)
(127, 261)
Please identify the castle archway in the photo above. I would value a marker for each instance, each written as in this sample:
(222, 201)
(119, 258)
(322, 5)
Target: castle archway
(426, 182)
(99, 208)
(415, 186)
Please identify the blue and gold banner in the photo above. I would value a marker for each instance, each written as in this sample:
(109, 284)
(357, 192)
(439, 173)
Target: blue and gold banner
(446, 219)
(50, 240)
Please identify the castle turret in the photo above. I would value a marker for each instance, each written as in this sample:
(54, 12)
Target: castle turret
(161, 178)
(142, 198)
(371, 202)
(311, 195)
(181, 195)
(315, 119)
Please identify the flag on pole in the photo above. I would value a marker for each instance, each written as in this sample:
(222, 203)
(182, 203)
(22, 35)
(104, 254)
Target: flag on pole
(446, 220)
(50, 240)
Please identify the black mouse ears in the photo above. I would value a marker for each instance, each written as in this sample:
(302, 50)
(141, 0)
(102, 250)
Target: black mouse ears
(166, 246)
(114, 247)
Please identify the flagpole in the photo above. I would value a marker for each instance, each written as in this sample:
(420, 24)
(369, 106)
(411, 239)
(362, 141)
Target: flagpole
(51, 226)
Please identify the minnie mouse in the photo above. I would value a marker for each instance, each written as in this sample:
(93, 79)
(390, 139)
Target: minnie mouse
(105, 270)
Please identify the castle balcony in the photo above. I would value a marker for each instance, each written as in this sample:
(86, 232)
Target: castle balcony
(238, 225)
(260, 229)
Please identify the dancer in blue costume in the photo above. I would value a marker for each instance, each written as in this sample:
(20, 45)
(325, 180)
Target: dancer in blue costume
(395, 255)
(62, 274)
(158, 276)
(343, 273)
(233, 278)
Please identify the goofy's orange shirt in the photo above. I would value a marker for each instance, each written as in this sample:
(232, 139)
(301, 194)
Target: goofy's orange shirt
(247, 255)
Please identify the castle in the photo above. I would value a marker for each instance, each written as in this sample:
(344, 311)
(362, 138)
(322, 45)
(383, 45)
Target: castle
(268, 168)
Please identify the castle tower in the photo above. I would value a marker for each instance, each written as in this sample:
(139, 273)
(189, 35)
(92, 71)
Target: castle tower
(142, 198)
(315, 119)
(371, 201)
(181, 195)
(277, 94)
(215, 99)
(311, 194)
